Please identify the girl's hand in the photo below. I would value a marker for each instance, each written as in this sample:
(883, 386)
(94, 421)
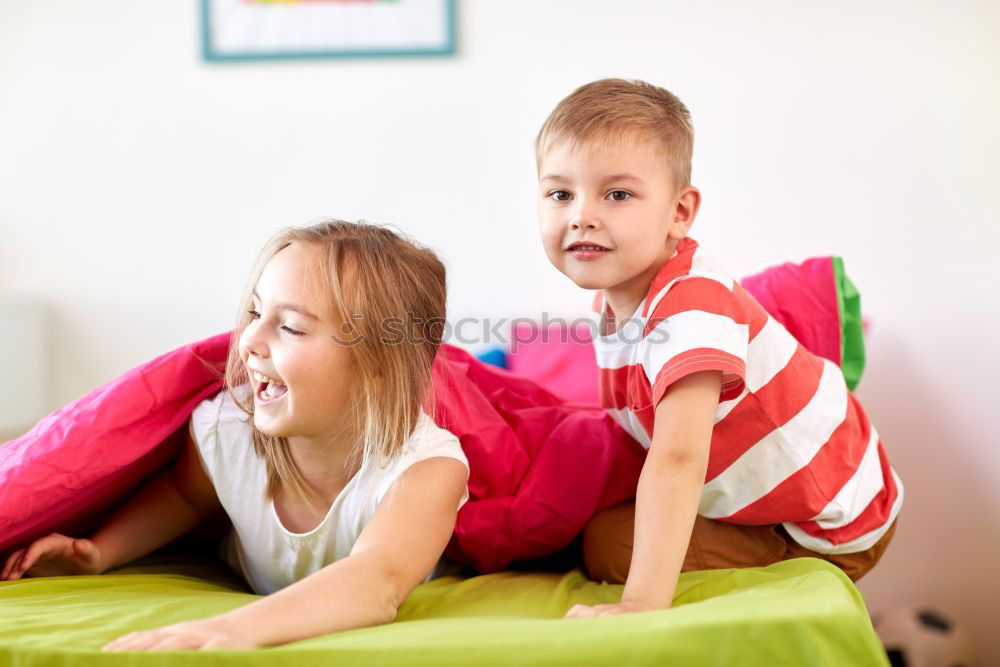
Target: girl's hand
(209, 633)
(623, 607)
(53, 556)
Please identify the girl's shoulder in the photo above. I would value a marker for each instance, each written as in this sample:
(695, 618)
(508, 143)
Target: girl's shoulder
(219, 411)
(217, 424)
(428, 440)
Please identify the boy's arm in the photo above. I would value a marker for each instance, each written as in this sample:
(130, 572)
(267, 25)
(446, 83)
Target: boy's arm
(670, 488)
(668, 494)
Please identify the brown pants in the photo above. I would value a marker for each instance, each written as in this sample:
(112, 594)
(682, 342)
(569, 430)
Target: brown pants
(607, 546)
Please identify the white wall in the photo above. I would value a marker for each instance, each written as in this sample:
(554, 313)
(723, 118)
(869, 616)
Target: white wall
(137, 182)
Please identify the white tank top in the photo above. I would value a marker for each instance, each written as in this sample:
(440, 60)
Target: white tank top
(259, 546)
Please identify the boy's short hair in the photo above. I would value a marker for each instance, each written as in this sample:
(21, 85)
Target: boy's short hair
(613, 109)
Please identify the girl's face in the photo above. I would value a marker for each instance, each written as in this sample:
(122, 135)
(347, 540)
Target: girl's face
(298, 372)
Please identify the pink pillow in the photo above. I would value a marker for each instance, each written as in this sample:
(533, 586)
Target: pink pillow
(803, 297)
(559, 357)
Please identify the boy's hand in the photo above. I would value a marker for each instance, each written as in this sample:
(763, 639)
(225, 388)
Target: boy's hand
(209, 633)
(623, 607)
(54, 555)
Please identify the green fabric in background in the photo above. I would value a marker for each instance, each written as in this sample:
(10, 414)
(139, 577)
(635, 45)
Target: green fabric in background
(852, 334)
(799, 612)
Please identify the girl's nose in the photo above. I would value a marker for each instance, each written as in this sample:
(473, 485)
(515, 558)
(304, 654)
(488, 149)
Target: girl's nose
(252, 342)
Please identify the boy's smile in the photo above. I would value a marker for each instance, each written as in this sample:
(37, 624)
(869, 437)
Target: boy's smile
(609, 216)
(585, 250)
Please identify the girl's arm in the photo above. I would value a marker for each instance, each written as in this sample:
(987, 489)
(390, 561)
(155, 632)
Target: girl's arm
(168, 505)
(396, 550)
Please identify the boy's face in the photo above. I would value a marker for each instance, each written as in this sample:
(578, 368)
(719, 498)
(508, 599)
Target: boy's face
(608, 214)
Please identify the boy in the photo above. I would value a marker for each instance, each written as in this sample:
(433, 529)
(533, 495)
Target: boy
(757, 452)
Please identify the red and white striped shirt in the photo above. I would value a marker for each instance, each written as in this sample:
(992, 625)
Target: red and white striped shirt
(791, 444)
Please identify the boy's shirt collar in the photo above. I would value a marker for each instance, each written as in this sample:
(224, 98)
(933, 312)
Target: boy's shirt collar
(678, 265)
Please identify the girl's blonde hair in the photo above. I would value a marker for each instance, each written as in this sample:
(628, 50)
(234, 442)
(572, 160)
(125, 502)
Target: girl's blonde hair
(616, 109)
(388, 296)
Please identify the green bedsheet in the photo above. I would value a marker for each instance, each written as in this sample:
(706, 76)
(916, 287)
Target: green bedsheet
(800, 612)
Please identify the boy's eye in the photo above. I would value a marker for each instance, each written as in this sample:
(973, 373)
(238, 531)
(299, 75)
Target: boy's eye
(559, 195)
(619, 195)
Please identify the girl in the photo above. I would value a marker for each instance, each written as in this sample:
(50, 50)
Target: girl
(342, 491)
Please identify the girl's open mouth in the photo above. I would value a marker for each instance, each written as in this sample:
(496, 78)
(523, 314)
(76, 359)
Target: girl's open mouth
(268, 390)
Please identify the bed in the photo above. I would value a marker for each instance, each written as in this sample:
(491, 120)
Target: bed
(799, 612)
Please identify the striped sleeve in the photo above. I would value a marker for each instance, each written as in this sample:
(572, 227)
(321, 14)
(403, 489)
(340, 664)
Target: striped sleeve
(698, 324)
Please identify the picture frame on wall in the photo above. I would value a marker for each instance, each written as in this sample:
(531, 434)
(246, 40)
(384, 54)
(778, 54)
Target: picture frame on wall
(239, 30)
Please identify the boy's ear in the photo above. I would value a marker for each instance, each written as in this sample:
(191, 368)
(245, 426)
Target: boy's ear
(685, 211)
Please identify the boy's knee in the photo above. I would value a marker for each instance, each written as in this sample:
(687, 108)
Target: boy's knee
(607, 543)
(862, 563)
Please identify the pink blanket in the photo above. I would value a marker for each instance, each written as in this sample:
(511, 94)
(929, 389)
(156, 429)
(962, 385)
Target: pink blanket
(540, 467)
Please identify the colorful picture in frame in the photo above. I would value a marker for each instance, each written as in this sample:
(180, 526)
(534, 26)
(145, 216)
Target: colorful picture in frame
(235, 30)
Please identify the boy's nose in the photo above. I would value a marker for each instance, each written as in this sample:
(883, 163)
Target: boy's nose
(583, 216)
(584, 222)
